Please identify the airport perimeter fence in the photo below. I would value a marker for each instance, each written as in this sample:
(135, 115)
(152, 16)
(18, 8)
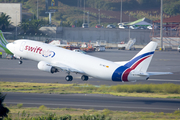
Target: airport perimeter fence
(113, 36)
(12, 36)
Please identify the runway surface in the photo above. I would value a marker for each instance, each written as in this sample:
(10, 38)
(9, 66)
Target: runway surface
(167, 61)
(89, 101)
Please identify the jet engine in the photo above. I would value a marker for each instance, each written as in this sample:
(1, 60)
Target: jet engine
(44, 66)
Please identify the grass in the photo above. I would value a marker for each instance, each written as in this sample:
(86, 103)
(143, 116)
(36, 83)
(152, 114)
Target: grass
(136, 90)
(133, 90)
(84, 114)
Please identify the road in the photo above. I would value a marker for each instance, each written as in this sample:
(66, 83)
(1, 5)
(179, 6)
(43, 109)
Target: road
(91, 101)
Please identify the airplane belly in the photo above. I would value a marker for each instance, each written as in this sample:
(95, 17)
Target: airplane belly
(101, 71)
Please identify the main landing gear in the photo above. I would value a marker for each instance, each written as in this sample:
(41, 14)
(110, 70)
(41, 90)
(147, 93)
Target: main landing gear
(70, 78)
(84, 77)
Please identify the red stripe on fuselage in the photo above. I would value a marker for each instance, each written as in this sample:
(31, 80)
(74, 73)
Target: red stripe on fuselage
(127, 71)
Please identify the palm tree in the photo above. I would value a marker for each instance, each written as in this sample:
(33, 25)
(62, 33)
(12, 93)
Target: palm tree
(4, 21)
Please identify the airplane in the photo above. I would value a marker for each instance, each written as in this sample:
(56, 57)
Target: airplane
(52, 59)
(3, 43)
(127, 46)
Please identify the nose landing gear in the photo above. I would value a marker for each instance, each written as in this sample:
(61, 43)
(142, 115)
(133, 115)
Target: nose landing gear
(20, 62)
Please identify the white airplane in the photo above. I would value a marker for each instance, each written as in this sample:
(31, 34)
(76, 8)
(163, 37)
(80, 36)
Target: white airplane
(52, 59)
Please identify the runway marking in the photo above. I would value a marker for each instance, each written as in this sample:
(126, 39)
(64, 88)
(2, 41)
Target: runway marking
(163, 80)
(70, 105)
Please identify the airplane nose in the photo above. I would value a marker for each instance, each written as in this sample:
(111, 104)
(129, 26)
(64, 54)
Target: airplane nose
(10, 46)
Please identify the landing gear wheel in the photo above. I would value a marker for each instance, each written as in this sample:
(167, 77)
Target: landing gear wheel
(69, 78)
(84, 78)
(20, 62)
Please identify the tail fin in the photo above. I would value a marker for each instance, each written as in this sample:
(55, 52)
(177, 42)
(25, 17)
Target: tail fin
(137, 66)
(3, 43)
(140, 62)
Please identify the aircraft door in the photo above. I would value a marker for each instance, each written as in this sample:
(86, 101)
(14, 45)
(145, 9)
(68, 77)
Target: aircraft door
(22, 46)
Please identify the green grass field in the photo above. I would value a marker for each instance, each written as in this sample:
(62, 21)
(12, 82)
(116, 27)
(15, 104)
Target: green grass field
(43, 113)
(133, 90)
(18, 112)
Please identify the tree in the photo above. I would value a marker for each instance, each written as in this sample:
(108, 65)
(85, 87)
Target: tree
(24, 26)
(78, 23)
(3, 110)
(33, 25)
(172, 8)
(36, 24)
(4, 21)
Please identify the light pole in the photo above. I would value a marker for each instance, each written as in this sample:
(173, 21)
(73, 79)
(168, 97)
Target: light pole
(161, 26)
(121, 13)
(37, 9)
(88, 18)
(84, 13)
(129, 28)
(99, 17)
(16, 24)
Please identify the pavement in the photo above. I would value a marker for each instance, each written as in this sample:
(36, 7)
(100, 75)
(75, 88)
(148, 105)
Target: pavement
(93, 101)
(166, 61)
(163, 61)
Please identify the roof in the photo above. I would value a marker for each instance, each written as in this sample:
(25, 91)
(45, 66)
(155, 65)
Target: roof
(174, 19)
(142, 21)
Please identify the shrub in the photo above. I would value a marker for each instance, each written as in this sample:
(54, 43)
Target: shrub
(42, 108)
(19, 105)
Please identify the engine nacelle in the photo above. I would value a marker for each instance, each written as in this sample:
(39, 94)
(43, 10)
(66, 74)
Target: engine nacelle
(44, 66)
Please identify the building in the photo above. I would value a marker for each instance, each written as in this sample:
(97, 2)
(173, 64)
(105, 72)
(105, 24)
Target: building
(14, 10)
(171, 31)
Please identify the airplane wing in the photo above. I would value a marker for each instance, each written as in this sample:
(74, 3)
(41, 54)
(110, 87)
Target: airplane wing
(65, 67)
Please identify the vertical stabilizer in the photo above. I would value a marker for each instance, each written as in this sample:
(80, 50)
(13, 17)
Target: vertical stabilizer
(3, 43)
(140, 62)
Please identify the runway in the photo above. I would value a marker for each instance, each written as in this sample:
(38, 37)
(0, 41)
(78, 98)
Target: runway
(167, 61)
(91, 101)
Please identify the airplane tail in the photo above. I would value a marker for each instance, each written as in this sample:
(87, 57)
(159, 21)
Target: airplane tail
(3, 43)
(137, 66)
(140, 62)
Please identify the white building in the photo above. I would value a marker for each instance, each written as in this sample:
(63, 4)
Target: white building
(14, 10)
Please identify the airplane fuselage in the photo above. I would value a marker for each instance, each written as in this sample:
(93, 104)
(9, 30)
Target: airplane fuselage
(91, 66)
(70, 61)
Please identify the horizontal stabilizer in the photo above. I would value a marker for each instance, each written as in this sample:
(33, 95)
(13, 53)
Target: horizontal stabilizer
(159, 73)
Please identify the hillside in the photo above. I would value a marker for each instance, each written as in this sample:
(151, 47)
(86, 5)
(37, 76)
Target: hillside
(71, 11)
